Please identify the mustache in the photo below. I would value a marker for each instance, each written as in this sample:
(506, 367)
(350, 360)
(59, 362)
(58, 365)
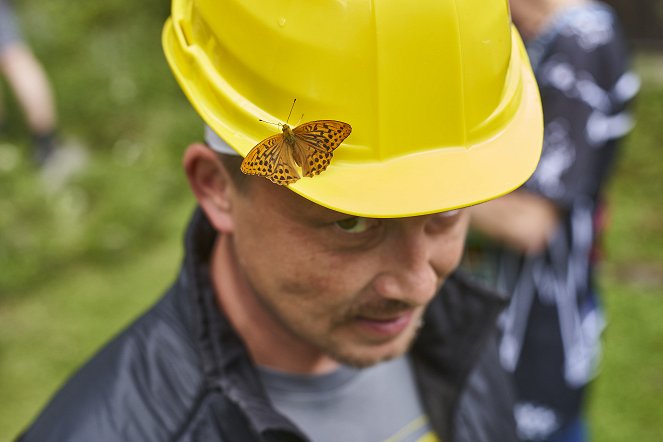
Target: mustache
(382, 308)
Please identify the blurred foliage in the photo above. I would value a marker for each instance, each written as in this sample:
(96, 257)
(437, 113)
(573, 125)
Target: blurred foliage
(635, 232)
(626, 398)
(116, 97)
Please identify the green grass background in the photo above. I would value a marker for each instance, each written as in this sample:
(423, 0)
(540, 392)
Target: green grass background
(78, 264)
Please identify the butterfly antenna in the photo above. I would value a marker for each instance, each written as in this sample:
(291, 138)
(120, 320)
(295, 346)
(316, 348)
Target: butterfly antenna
(291, 108)
(300, 120)
(269, 122)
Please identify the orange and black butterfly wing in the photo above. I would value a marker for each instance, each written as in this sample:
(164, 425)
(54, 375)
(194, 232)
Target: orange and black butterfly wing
(271, 159)
(315, 143)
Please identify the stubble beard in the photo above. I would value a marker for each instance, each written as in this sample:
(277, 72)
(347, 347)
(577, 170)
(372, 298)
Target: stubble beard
(357, 360)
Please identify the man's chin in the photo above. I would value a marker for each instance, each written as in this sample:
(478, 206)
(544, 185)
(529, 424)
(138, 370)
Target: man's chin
(362, 353)
(369, 357)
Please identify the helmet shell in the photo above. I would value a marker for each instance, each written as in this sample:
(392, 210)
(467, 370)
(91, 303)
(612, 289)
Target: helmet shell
(440, 95)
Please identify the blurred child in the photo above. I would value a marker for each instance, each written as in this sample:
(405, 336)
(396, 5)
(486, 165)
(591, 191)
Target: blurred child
(539, 243)
(27, 80)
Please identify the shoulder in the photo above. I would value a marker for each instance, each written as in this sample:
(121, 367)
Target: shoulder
(141, 386)
(484, 411)
(483, 399)
(457, 323)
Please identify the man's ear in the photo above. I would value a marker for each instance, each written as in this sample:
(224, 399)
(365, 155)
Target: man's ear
(211, 184)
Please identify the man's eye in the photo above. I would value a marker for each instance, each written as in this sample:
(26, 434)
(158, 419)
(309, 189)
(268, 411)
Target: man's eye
(354, 225)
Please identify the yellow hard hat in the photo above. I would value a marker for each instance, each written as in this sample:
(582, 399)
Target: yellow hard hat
(443, 105)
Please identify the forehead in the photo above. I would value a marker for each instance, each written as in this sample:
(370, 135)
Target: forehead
(273, 200)
(268, 197)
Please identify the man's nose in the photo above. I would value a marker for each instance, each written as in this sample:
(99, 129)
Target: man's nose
(409, 276)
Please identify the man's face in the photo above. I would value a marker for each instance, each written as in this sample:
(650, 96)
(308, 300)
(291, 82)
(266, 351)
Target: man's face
(351, 288)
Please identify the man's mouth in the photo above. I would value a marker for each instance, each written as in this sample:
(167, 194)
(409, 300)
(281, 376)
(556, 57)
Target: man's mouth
(385, 326)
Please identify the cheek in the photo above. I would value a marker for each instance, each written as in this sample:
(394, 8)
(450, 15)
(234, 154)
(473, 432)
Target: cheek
(324, 277)
(310, 295)
(450, 250)
(290, 271)
(456, 253)
(322, 293)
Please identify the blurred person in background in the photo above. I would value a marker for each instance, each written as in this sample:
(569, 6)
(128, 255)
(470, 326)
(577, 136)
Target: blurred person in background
(326, 307)
(540, 243)
(29, 83)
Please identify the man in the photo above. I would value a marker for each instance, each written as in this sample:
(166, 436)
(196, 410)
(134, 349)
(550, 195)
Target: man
(326, 308)
(543, 247)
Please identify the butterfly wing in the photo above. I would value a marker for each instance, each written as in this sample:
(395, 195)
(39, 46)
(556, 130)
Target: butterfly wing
(315, 143)
(271, 159)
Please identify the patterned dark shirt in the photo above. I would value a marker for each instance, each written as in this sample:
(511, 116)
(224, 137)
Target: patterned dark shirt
(553, 325)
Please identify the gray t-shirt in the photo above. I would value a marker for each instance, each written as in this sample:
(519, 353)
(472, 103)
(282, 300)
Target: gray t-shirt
(379, 403)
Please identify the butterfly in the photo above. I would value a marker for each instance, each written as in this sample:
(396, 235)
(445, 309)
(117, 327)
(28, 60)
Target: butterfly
(309, 145)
